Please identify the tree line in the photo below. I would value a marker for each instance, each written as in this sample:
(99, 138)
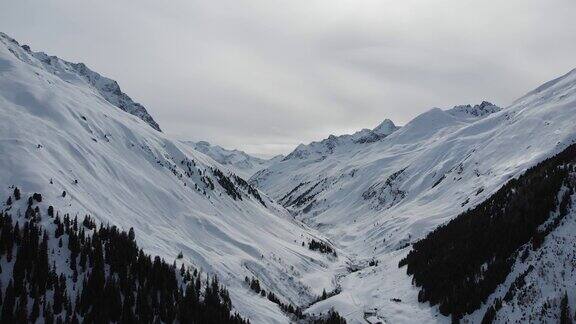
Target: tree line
(105, 276)
(458, 265)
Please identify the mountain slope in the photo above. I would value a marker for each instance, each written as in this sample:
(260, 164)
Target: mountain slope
(75, 272)
(64, 139)
(79, 73)
(380, 198)
(484, 242)
(240, 162)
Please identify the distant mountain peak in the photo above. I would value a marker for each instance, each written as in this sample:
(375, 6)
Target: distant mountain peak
(483, 109)
(240, 162)
(386, 127)
(332, 142)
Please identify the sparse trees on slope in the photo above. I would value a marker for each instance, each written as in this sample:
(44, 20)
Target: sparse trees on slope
(114, 280)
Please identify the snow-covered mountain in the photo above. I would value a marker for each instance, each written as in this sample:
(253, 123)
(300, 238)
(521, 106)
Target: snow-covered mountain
(315, 174)
(477, 111)
(61, 134)
(61, 268)
(242, 163)
(375, 200)
(338, 215)
(517, 247)
(322, 149)
(79, 73)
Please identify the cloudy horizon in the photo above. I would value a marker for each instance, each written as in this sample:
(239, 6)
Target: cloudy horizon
(264, 76)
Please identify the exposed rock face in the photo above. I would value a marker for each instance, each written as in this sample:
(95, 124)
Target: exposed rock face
(481, 110)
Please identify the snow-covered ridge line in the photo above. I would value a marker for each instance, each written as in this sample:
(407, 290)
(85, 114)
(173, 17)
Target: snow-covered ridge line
(383, 130)
(329, 151)
(485, 108)
(79, 72)
(240, 162)
(550, 84)
(329, 145)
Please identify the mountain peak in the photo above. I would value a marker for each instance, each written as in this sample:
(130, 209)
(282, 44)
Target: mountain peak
(386, 127)
(483, 109)
(329, 145)
(78, 72)
(240, 162)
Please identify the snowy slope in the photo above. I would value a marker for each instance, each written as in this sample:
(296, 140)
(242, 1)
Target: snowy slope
(60, 268)
(79, 73)
(378, 198)
(242, 163)
(61, 134)
(369, 194)
(534, 289)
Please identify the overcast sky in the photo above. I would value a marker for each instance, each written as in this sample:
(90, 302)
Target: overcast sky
(266, 75)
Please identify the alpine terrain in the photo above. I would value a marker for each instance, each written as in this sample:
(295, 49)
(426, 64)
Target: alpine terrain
(242, 163)
(65, 138)
(463, 214)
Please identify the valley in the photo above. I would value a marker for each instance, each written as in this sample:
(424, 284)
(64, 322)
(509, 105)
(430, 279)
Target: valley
(348, 223)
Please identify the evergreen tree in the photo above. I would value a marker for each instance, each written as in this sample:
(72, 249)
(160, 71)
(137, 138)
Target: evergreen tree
(35, 310)
(21, 315)
(48, 315)
(9, 302)
(565, 317)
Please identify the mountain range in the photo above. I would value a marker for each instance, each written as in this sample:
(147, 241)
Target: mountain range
(243, 164)
(351, 223)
